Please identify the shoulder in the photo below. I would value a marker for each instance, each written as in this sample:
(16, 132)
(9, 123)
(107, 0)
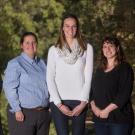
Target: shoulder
(89, 49)
(89, 46)
(126, 69)
(99, 70)
(52, 49)
(13, 65)
(43, 61)
(125, 66)
(14, 61)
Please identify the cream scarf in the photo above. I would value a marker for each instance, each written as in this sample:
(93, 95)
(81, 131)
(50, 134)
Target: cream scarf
(71, 55)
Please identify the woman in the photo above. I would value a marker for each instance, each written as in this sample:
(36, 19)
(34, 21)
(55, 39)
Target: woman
(26, 90)
(69, 73)
(112, 86)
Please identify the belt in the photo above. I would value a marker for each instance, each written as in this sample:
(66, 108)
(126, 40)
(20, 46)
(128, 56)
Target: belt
(40, 108)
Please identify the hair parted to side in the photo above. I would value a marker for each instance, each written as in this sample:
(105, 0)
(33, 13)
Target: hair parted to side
(62, 40)
(120, 57)
(25, 34)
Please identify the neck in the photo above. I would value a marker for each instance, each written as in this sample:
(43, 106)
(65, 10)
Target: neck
(32, 56)
(111, 63)
(69, 41)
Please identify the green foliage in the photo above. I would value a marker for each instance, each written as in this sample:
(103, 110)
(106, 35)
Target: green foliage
(16, 17)
(98, 18)
(3, 105)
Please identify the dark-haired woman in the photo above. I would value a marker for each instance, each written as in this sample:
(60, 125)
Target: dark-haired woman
(112, 86)
(69, 73)
(26, 90)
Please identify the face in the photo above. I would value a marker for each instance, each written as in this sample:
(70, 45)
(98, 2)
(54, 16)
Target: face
(69, 28)
(29, 46)
(109, 50)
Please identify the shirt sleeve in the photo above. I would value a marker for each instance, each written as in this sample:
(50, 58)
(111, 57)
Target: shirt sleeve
(10, 85)
(87, 74)
(91, 92)
(51, 73)
(125, 86)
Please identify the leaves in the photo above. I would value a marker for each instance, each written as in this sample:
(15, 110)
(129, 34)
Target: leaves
(98, 18)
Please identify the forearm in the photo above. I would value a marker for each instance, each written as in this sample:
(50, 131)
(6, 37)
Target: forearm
(13, 100)
(95, 109)
(111, 107)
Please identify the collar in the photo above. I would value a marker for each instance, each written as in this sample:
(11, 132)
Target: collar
(30, 60)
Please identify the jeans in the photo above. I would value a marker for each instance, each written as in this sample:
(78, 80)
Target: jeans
(61, 121)
(105, 128)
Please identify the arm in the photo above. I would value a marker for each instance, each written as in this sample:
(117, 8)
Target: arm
(105, 112)
(125, 86)
(52, 87)
(95, 109)
(87, 84)
(10, 85)
(87, 74)
(51, 73)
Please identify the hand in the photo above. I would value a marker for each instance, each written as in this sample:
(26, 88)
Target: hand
(65, 110)
(19, 116)
(95, 109)
(104, 113)
(79, 108)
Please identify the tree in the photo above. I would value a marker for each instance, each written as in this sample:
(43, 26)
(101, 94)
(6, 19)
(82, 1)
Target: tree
(16, 17)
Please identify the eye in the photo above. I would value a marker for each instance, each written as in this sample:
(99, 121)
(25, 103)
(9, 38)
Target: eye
(111, 45)
(34, 42)
(104, 46)
(74, 27)
(67, 26)
(27, 43)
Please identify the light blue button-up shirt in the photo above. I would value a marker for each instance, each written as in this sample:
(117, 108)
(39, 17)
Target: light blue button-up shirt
(25, 83)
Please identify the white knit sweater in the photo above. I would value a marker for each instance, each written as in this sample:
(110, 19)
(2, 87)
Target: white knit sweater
(69, 81)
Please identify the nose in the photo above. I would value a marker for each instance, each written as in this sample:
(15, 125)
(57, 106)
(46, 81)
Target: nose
(106, 48)
(32, 43)
(71, 28)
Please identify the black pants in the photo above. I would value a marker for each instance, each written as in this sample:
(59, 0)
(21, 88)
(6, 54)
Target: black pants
(61, 121)
(35, 123)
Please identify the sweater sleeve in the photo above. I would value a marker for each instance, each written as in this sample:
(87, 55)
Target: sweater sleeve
(91, 92)
(87, 74)
(51, 73)
(125, 85)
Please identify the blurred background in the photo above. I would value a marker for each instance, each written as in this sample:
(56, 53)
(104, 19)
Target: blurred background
(98, 18)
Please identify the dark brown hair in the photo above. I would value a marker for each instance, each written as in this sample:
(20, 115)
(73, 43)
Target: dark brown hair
(61, 39)
(120, 57)
(27, 34)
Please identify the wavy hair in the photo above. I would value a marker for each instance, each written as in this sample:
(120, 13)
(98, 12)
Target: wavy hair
(120, 57)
